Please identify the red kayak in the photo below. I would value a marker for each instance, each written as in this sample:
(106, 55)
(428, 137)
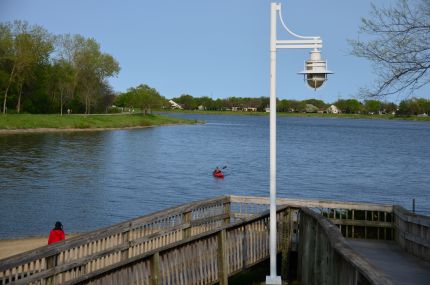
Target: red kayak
(218, 174)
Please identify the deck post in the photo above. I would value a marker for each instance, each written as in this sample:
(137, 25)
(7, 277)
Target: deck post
(125, 236)
(227, 210)
(222, 260)
(51, 262)
(245, 247)
(155, 269)
(187, 216)
(286, 244)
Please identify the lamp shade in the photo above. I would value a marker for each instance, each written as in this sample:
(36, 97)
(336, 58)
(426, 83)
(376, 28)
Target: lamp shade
(315, 71)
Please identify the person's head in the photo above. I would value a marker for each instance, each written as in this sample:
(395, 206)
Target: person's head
(58, 226)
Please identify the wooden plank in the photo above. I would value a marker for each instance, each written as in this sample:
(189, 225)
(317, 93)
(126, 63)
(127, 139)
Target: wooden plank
(221, 259)
(312, 203)
(155, 269)
(362, 223)
(409, 217)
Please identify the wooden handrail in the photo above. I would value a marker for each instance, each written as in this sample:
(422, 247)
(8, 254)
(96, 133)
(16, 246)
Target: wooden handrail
(113, 239)
(412, 232)
(313, 203)
(339, 245)
(144, 238)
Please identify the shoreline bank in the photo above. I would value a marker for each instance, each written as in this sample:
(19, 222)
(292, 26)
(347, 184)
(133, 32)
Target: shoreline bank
(28, 123)
(13, 246)
(65, 130)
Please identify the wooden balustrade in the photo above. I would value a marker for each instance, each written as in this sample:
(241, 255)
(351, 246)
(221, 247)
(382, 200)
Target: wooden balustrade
(412, 232)
(355, 220)
(205, 258)
(65, 261)
(207, 241)
(325, 258)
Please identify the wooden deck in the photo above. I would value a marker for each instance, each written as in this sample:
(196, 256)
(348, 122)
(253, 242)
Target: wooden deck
(401, 268)
(205, 242)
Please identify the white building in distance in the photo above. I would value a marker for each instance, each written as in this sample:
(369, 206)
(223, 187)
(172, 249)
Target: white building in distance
(175, 105)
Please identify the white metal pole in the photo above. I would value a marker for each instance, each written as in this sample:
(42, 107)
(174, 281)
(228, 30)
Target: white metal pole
(273, 278)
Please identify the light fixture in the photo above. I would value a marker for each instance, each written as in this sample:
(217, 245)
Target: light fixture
(315, 72)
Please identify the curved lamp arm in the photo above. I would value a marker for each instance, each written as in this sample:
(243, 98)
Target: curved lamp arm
(291, 32)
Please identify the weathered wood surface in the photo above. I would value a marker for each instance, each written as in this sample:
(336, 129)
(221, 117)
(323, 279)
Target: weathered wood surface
(412, 232)
(312, 203)
(109, 246)
(401, 267)
(194, 260)
(205, 242)
(325, 257)
(210, 257)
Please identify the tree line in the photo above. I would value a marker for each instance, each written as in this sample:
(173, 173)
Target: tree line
(45, 73)
(411, 106)
(147, 98)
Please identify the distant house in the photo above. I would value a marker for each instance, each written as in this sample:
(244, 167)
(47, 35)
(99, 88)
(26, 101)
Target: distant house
(175, 105)
(201, 108)
(235, 109)
(250, 109)
(333, 110)
(267, 109)
(311, 108)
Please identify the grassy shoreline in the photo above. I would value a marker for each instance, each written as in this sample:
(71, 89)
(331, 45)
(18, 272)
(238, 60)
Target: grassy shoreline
(23, 123)
(306, 115)
(28, 122)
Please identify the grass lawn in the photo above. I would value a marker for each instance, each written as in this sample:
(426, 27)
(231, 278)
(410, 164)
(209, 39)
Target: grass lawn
(55, 121)
(309, 115)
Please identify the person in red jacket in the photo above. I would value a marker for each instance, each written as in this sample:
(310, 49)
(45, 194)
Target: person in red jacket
(56, 234)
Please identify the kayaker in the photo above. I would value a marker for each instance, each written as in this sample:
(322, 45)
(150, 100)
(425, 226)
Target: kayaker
(56, 234)
(217, 170)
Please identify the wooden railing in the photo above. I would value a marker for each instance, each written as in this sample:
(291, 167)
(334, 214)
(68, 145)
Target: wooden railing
(198, 243)
(206, 258)
(70, 259)
(355, 220)
(412, 232)
(325, 258)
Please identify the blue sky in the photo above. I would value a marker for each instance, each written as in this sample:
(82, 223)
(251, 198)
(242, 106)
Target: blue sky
(211, 48)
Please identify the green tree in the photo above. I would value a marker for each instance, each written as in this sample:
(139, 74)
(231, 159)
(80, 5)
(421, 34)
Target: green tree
(145, 97)
(398, 45)
(61, 83)
(372, 106)
(291, 106)
(348, 106)
(317, 103)
(92, 68)
(206, 102)
(389, 107)
(414, 106)
(22, 48)
(187, 101)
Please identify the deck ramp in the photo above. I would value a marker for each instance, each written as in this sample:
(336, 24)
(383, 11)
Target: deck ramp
(389, 258)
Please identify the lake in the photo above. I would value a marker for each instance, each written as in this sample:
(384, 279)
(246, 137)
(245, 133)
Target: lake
(89, 180)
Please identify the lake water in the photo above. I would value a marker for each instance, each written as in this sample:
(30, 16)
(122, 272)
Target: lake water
(89, 180)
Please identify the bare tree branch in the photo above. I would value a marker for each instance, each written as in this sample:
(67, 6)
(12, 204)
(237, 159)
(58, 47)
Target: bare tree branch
(398, 43)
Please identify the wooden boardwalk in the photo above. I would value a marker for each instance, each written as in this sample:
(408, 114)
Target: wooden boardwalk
(206, 242)
(401, 268)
